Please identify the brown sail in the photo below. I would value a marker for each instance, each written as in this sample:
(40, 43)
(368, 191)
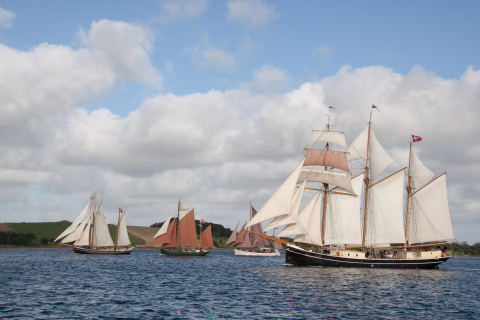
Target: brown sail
(239, 236)
(173, 237)
(335, 159)
(207, 241)
(166, 237)
(187, 235)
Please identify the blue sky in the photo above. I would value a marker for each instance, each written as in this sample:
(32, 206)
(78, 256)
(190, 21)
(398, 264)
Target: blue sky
(440, 36)
(212, 101)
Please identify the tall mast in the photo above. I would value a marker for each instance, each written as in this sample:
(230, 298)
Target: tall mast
(250, 228)
(367, 182)
(325, 187)
(118, 227)
(200, 243)
(409, 191)
(92, 226)
(178, 222)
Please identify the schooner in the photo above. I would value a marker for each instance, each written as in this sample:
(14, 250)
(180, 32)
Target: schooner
(89, 232)
(179, 237)
(361, 220)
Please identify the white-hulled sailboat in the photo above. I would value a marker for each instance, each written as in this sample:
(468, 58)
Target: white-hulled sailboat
(89, 232)
(250, 244)
(353, 221)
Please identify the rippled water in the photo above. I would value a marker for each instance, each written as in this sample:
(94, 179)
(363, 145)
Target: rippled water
(58, 284)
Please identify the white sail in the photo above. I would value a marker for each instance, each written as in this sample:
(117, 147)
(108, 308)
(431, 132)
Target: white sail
(343, 218)
(74, 224)
(75, 235)
(85, 237)
(358, 149)
(164, 227)
(182, 210)
(378, 158)
(340, 179)
(385, 214)
(101, 235)
(430, 217)
(292, 216)
(314, 232)
(335, 137)
(421, 175)
(301, 227)
(123, 239)
(281, 201)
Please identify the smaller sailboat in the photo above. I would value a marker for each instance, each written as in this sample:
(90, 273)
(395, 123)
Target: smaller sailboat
(249, 243)
(89, 232)
(179, 236)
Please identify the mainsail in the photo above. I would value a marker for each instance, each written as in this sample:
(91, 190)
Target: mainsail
(233, 236)
(207, 241)
(101, 235)
(123, 239)
(430, 215)
(256, 240)
(187, 234)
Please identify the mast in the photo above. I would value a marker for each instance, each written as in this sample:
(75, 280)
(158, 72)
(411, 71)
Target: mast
(250, 228)
(118, 229)
(409, 190)
(325, 187)
(177, 233)
(92, 226)
(367, 181)
(200, 243)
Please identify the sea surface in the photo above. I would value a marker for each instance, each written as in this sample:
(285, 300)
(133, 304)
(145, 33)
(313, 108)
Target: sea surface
(58, 284)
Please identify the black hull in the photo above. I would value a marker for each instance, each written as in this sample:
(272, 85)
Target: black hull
(300, 257)
(101, 252)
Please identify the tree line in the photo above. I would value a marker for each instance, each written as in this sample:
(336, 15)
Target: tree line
(21, 239)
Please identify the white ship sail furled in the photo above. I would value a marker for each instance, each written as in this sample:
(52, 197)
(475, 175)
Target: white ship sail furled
(364, 211)
(89, 232)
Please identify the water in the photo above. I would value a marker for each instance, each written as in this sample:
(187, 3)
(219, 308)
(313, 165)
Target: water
(58, 284)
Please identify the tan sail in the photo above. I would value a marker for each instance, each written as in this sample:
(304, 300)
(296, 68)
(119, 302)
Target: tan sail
(335, 159)
(187, 235)
(207, 241)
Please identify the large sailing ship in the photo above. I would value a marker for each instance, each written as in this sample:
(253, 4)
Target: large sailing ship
(361, 220)
(178, 237)
(250, 243)
(88, 234)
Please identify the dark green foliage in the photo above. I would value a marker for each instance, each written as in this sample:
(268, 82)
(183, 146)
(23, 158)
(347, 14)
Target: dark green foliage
(17, 239)
(216, 234)
(463, 248)
(157, 224)
(222, 231)
(215, 244)
(44, 241)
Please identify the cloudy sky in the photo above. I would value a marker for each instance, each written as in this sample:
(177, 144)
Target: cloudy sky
(213, 101)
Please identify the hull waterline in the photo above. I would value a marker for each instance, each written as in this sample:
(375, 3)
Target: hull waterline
(256, 254)
(174, 253)
(101, 251)
(299, 257)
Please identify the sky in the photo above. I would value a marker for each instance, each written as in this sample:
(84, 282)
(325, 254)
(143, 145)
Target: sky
(213, 101)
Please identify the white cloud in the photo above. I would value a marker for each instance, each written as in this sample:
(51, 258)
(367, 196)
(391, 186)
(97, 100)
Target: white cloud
(248, 48)
(218, 150)
(251, 13)
(50, 78)
(270, 78)
(6, 18)
(206, 56)
(187, 9)
(324, 52)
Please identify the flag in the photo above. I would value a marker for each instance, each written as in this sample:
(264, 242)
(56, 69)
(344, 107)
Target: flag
(331, 108)
(375, 107)
(120, 210)
(203, 221)
(416, 138)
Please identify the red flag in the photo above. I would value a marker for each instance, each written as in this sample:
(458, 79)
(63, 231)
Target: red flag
(203, 221)
(331, 107)
(375, 107)
(120, 210)
(416, 138)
